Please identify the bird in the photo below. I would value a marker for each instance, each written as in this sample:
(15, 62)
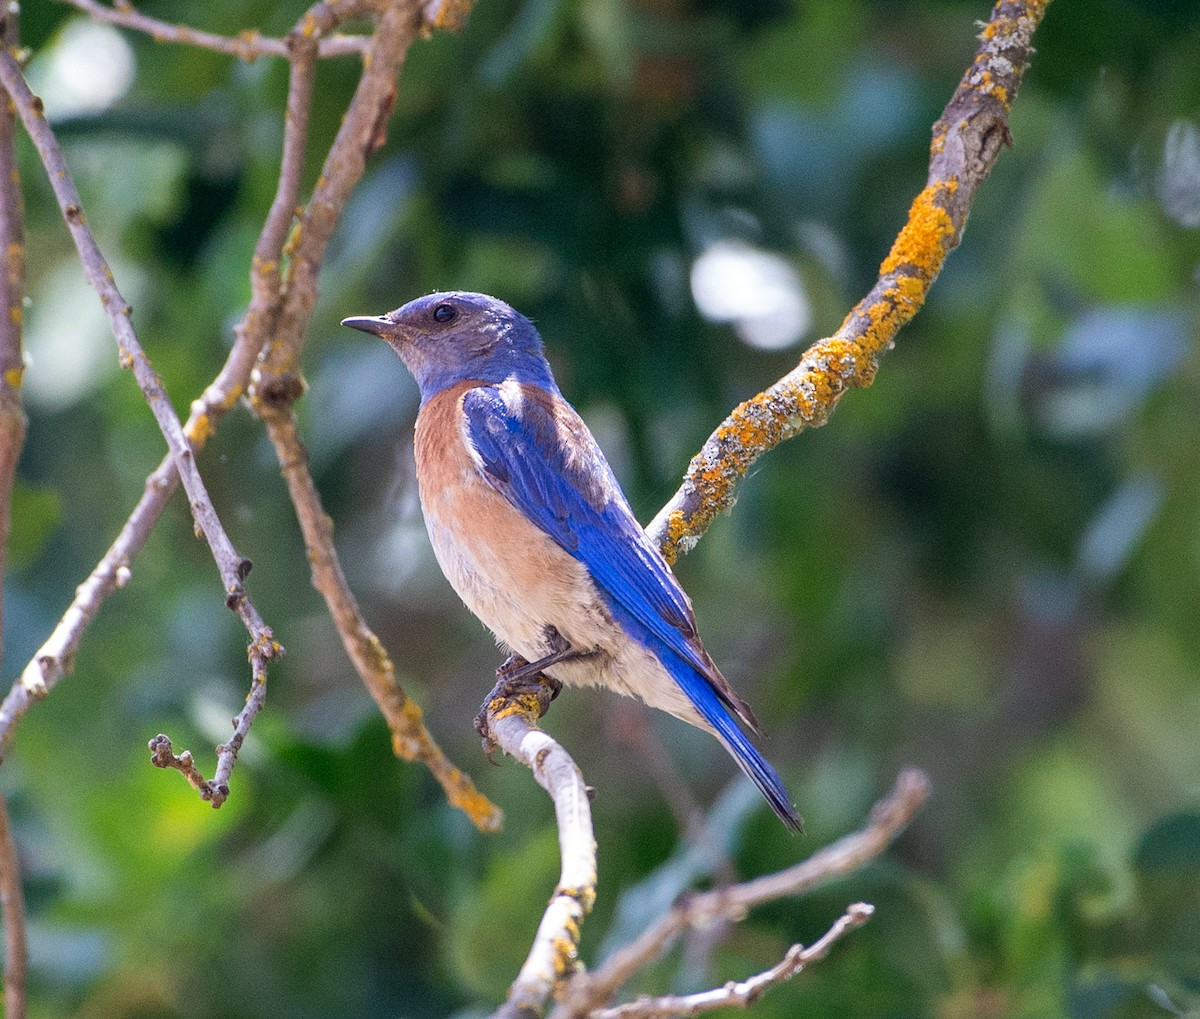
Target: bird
(531, 529)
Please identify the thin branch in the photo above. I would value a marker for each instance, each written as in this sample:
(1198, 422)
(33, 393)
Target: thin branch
(16, 954)
(742, 994)
(12, 438)
(411, 740)
(371, 104)
(363, 130)
(233, 567)
(216, 790)
(12, 309)
(966, 141)
(276, 383)
(247, 46)
(513, 725)
(587, 992)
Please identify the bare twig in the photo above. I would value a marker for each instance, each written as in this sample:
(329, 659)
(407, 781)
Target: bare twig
(277, 383)
(216, 790)
(12, 297)
(362, 131)
(16, 955)
(513, 725)
(411, 740)
(233, 567)
(12, 438)
(247, 46)
(966, 141)
(744, 993)
(370, 107)
(587, 992)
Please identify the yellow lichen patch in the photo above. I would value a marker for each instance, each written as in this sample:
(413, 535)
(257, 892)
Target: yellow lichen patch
(461, 793)
(564, 956)
(16, 314)
(677, 530)
(12, 377)
(526, 705)
(199, 430)
(927, 236)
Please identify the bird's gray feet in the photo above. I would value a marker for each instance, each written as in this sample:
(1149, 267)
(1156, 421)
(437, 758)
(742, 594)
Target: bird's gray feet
(518, 677)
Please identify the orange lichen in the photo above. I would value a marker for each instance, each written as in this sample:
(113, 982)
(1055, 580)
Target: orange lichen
(199, 429)
(12, 377)
(526, 705)
(927, 236)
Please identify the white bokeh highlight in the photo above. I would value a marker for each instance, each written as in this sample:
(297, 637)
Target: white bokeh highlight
(758, 292)
(85, 70)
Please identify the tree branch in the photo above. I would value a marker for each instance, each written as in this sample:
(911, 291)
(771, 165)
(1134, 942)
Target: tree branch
(411, 740)
(742, 994)
(276, 384)
(370, 107)
(248, 45)
(16, 954)
(12, 309)
(12, 439)
(587, 992)
(513, 725)
(232, 567)
(966, 141)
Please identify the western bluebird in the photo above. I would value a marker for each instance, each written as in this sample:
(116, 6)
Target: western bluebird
(532, 530)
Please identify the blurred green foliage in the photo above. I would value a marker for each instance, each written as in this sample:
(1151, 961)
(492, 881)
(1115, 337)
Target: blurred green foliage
(988, 564)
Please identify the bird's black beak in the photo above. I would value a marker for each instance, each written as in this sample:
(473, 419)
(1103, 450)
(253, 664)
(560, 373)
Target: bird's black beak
(377, 325)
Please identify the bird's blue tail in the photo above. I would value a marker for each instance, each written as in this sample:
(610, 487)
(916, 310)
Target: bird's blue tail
(700, 692)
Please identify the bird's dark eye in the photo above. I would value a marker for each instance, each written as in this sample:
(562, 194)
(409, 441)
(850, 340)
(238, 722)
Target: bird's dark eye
(445, 313)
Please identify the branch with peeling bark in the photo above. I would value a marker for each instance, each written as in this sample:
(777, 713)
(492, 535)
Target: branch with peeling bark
(556, 943)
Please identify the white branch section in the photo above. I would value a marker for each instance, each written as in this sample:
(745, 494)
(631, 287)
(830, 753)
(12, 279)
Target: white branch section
(552, 957)
(742, 993)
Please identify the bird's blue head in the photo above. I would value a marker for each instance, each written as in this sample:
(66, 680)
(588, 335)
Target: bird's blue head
(449, 337)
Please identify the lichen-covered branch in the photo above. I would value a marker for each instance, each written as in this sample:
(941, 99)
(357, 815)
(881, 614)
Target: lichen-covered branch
(512, 725)
(232, 567)
(966, 141)
(247, 46)
(742, 993)
(411, 739)
(588, 992)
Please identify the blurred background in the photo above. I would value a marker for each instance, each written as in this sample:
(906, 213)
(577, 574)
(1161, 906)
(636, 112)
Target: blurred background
(987, 564)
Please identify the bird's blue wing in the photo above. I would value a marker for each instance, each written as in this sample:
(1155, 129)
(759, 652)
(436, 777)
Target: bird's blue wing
(540, 456)
(544, 461)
